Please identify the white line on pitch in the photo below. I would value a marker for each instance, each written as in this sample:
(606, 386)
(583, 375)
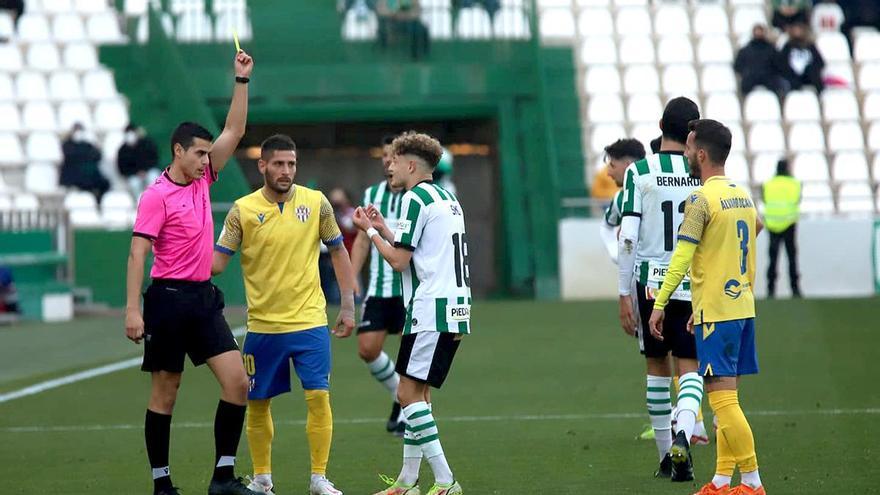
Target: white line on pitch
(454, 419)
(80, 376)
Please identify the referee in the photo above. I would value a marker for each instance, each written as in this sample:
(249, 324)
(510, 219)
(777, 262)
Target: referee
(183, 310)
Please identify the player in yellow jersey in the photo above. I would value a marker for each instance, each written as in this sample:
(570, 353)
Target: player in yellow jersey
(717, 241)
(277, 229)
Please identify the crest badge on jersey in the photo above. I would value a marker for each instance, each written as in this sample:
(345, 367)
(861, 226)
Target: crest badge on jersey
(303, 212)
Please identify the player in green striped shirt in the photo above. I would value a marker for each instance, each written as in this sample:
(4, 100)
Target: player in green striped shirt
(383, 311)
(618, 155)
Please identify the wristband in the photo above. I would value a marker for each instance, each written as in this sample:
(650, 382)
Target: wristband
(371, 232)
(243, 80)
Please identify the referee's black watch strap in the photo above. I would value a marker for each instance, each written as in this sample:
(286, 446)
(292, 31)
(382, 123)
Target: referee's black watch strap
(243, 80)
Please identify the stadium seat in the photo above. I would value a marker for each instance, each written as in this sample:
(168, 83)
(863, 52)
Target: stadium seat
(473, 23)
(10, 117)
(179, 7)
(557, 24)
(632, 21)
(135, 8)
(25, 202)
(67, 28)
(631, 3)
(31, 86)
(810, 167)
(802, 106)
(745, 18)
(595, 22)
(72, 112)
(737, 137)
(762, 106)
(167, 22)
(869, 77)
(56, 6)
(845, 136)
(10, 58)
(855, 197)
(636, 50)
(111, 115)
(91, 6)
(680, 79)
(817, 198)
(806, 136)
(766, 137)
(7, 88)
(104, 28)
(85, 218)
(606, 109)
(64, 86)
(850, 166)
(41, 178)
(605, 134)
(39, 116)
(99, 85)
(586, 3)
(867, 48)
(640, 79)
(117, 209)
(33, 28)
(871, 107)
(737, 168)
(5, 201)
(438, 22)
(599, 51)
(644, 108)
(875, 168)
(77, 200)
(11, 153)
(43, 57)
(710, 19)
(602, 79)
(715, 49)
(357, 25)
(839, 105)
(873, 136)
(194, 26)
(671, 17)
(220, 6)
(833, 47)
(7, 26)
(764, 166)
(645, 132)
(723, 107)
(511, 23)
(839, 75)
(80, 57)
(718, 78)
(110, 150)
(43, 147)
(675, 50)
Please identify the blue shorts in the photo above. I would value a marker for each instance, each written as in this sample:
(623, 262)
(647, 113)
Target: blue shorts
(267, 359)
(727, 348)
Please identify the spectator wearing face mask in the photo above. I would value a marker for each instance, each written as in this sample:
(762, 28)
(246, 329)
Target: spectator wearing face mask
(801, 61)
(138, 159)
(757, 63)
(80, 167)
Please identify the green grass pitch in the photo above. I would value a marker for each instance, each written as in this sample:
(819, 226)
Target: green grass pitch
(543, 398)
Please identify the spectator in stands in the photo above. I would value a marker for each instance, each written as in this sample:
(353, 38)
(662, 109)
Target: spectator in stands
(827, 16)
(403, 17)
(788, 12)
(138, 159)
(757, 64)
(344, 211)
(8, 293)
(80, 166)
(782, 197)
(801, 61)
(859, 13)
(16, 7)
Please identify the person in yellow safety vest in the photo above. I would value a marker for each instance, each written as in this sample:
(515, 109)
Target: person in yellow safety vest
(782, 197)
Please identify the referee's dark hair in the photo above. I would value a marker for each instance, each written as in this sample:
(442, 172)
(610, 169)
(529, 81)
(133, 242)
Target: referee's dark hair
(186, 133)
(278, 142)
(713, 137)
(678, 112)
(625, 148)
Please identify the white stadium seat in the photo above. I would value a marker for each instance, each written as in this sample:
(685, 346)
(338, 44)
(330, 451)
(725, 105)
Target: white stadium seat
(817, 198)
(77, 200)
(99, 85)
(39, 116)
(802, 106)
(806, 136)
(867, 48)
(511, 23)
(25, 201)
(31, 86)
(43, 57)
(72, 112)
(473, 23)
(43, 147)
(851, 166)
(633, 21)
(764, 166)
(873, 136)
(871, 107)
(90, 6)
(636, 50)
(680, 79)
(33, 28)
(675, 49)
(184, 6)
(605, 134)
(56, 6)
(839, 105)
(7, 27)
(869, 77)
(104, 28)
(5, 201)
(855, 197)
(194, 26)
(227, 5)
(64, 85)
(644, 108)
(117, 209)
(715, 49)
(723, 107)
(599, 51)
(41, 178)
(135, 8)
(737, 168)
(810, 167)
(10, 117)
(356, 26)
(711, 19)
(557, 24)
(875, 168)
(837, 72)
(671, 18)
(718, 78)
(845, 136)
(737, 137)
(595, 22)
(10, 58)
(85, 218)
(762, 106)
(7, 88)
(80, 57)
(606, 109)
(833, 47)
(438, 22)
(745, 18)
(67, 28)
(602, 79)
(111, 115)
(639, 79)
(766, 137)
(11, 153)
(645, 132)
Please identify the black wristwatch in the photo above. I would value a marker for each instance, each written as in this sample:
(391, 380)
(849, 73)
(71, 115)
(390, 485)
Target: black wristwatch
(243, 80)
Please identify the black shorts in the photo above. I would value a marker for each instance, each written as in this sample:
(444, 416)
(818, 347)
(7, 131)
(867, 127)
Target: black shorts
(383, 313)
(427, 356)
(180, 318)
(676, 338)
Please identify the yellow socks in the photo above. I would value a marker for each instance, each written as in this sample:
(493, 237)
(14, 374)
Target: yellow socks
(319, 428)
(738, 444)
(260, 431)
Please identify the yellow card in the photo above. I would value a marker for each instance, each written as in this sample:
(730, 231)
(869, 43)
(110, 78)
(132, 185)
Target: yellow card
(235, 38)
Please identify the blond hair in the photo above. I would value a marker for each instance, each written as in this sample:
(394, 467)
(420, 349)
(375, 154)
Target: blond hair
(421, 145)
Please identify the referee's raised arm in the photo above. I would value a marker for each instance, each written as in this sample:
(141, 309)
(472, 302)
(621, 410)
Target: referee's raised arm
(236, 119)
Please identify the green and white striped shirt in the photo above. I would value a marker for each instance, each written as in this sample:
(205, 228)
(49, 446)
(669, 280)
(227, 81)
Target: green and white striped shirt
(384, 281)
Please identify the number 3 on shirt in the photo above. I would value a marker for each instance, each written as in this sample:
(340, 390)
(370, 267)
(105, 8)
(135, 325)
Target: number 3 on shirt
(742, 232)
